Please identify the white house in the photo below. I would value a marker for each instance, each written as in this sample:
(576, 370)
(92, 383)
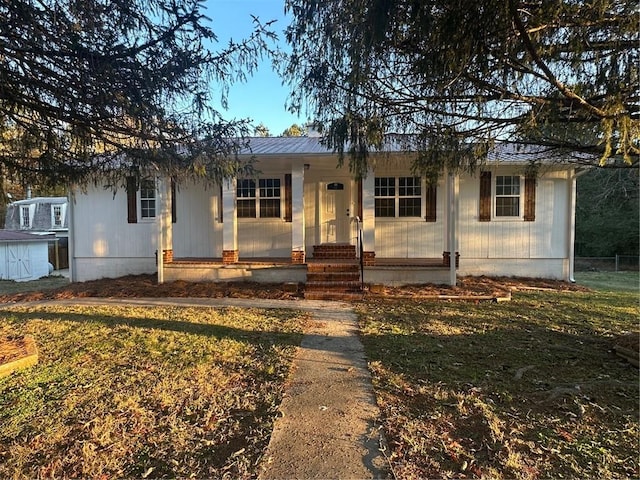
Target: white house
(301, 212)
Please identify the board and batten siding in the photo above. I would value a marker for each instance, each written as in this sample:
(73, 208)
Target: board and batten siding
(412, 237)
(513, 246)
(270, 237)
(105, 244)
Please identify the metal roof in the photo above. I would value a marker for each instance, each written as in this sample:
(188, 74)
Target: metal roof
(12, 236)
(49, 200)
(501, 152)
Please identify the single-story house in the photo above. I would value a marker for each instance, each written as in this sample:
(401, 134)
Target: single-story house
(23, 256)
(302, 212)
(43, 215)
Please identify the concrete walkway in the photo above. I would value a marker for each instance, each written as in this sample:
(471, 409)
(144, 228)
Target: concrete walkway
(328, 427)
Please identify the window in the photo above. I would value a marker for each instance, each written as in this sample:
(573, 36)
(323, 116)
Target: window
(385, 194)
(263, 201)
(270, 198)
(507, 196)
(405, 199)
(147, 199)
(25, 217)
(246, 194)
(409, 197)
(56, 214)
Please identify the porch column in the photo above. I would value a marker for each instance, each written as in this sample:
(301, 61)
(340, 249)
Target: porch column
(297, 214)
(451, 227)
(165, 227)
(230, 222)
(369, 219)
(571, 234)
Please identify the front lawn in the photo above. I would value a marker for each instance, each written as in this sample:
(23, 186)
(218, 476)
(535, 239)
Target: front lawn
(144, 392)
(527, 389)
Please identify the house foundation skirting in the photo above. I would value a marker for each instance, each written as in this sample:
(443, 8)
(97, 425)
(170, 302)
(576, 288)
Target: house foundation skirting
(229, 256)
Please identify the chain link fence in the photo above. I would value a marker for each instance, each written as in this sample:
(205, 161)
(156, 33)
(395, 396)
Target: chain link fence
(619, 263)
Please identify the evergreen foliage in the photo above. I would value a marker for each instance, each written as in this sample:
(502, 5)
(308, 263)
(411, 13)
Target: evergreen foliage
(110, 88)
(459, 75)
(608, 213)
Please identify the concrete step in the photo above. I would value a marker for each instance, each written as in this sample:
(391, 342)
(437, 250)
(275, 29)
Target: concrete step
(333, 295)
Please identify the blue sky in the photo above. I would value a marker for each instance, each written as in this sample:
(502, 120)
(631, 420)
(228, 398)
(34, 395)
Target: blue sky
(262, 98)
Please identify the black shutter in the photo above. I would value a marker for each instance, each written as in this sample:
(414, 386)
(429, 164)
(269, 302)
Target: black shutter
(529, 198)
(288, 200)
(430, 215)
(174, 215)
(485, 197)
(132, 200)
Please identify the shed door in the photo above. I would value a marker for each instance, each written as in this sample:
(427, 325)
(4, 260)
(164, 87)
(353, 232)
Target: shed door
(336, 213)
(19, 261)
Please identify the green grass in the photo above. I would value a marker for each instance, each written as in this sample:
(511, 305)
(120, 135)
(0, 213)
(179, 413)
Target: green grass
(144, 392)
(610, 281)
(527, 389)
(8, 287)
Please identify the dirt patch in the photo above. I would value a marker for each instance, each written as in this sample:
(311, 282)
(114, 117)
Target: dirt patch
(147, 286)
(17, 352)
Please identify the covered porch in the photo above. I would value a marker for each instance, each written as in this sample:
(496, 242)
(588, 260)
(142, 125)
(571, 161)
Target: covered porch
(318, 208)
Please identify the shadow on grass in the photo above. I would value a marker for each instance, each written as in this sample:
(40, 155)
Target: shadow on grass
(262, 337)
(486, 395)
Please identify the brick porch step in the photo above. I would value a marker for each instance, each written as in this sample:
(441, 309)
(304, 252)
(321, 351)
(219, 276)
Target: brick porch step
(334, 280)
(351, 267)
(333, 276)
(334, 251)
(334, 285)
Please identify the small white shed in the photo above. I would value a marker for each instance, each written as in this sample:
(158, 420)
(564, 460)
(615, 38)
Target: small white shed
(23, 256)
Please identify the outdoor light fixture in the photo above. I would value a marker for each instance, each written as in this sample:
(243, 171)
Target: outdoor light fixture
(307, 166)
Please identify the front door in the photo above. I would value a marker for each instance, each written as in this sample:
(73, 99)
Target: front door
(336, 215)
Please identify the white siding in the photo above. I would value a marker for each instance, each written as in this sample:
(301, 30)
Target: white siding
(264, 238)
(516, 247)
(105, 244)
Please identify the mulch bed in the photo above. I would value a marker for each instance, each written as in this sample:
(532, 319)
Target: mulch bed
(147, 286)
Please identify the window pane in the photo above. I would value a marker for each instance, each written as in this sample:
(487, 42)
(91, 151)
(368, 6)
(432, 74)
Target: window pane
(508, 185)
(269, 207)
(269, 188)
(409, 186)
(409, 207)
(246, 208)
(385, 186)
(147, 199)
(246, 188)
(508, 207)
(385, 207)
(25, 217)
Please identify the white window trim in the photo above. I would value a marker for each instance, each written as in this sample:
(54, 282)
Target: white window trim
(256, 199)
(63, 213)
(139, 200)
(494, 197)
(31, 208)
(397, 217)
